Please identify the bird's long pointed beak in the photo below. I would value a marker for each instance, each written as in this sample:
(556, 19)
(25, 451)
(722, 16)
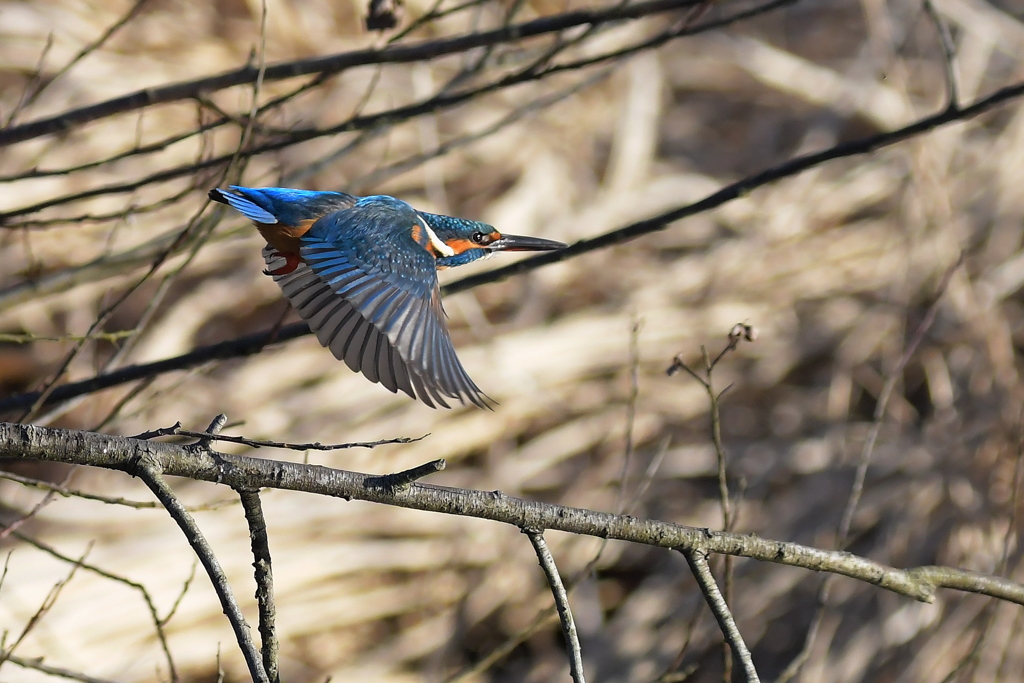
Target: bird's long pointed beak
(522, 243)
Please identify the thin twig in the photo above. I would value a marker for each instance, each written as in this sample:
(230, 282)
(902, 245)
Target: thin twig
(122, 402)
(634, 396)
(37, 76)
(384, 173)
(702, 572)
(882, 404)
(34, 92)
(151, 475)
(36, 664)
(181, 595)
(29, 338)
(400, 480)
(472, 673)
(314, 446)
(3, 574)
(158, 623)
(948, 56)
(45, 606)
(857, 487)
(989, 613)
(739, 331)
(264, 579)
(9, 529)
(671, 674)
(572, 639)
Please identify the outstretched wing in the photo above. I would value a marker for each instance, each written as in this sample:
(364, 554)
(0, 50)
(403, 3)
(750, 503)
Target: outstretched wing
(381, 315)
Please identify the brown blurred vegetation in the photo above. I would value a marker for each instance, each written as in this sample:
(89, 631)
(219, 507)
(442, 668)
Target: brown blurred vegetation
(835, 267)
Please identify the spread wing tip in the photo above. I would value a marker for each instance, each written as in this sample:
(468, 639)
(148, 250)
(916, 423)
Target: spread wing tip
(353, 338)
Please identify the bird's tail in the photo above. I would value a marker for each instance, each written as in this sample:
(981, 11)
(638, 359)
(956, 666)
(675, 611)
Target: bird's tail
(243, 205)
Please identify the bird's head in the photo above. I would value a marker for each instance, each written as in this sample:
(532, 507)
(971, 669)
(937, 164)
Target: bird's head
(465, 241)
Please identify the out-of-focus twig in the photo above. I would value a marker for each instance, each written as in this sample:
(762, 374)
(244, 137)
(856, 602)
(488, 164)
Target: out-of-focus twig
(158, 622)
(38, 85)
(948, 56)
(334, 64)
(38, 664)
(867, 450)
(634, 396)
(45, 606)
(472, 673)
(433, 104)
(12, 527)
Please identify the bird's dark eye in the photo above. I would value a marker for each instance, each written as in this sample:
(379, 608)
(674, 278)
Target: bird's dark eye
(481, 238)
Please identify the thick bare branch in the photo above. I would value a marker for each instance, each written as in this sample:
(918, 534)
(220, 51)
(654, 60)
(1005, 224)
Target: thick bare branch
(122, 453)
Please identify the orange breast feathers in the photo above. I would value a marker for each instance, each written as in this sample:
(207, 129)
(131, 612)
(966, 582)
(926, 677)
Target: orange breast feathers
(285, 238)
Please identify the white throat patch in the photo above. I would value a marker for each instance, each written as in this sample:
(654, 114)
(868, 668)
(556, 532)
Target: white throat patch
(440, 246)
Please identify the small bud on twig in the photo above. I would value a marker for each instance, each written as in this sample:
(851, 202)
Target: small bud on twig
(383, 15)
(742, 331)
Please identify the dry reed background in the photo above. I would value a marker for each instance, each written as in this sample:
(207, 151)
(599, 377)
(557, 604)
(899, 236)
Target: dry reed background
(835, 267)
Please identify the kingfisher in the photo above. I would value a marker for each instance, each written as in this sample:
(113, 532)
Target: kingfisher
(362, 272)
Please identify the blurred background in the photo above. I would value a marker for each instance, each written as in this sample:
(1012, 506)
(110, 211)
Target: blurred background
(836, 267)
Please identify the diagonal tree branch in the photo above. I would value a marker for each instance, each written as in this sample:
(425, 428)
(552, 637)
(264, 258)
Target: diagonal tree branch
(254, 343)
(37, 88)
(333, 64)
(441, 101)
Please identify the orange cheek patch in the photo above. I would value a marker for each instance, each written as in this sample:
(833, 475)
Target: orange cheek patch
(417, 235)
(459, 246)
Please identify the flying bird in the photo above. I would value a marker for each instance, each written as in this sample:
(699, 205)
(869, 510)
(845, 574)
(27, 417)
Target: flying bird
(362, 272)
